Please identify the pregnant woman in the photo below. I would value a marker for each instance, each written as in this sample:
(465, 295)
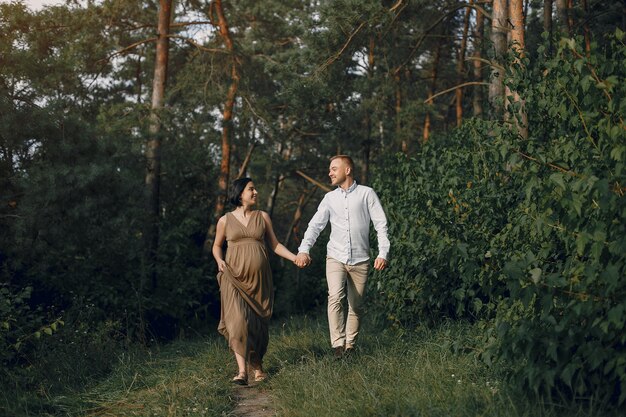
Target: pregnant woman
(245, 278)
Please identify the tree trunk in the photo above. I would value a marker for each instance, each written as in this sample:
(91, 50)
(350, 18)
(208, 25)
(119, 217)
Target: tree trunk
(477, 99)
(498, 37)
(586, 26)
(297, 215)
(516, 17)
(570, 17)
(271, 201)
(153, 147)
(562, 18)
(227, 117)
(280, 177)
(138, 78)
(367, 120)
(398, 107)
(460, 67)
(547, 22)
(244, 165)
(431, 91)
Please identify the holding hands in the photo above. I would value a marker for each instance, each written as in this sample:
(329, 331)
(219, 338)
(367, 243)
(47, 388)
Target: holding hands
(302, 260)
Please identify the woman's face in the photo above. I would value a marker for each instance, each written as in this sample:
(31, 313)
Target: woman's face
(249, 195)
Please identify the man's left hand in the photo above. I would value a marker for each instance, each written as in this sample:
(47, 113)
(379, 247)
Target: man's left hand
(380, 264)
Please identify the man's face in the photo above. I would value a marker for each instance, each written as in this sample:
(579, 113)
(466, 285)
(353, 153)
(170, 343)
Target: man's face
(338, 171)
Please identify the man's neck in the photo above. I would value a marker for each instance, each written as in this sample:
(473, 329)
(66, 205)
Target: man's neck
(347, 183)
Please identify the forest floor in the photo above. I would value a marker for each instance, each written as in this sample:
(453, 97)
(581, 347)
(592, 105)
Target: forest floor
(425, 372)
(253, 401)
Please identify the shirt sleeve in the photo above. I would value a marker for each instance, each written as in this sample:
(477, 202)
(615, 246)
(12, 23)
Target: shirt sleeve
(377, 214)
(316, 225)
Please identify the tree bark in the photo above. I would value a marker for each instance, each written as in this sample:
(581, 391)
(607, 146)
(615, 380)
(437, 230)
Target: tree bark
(477, 99)
(153, 146)
(244, 165)
(280, 177)
(570, 17)
(562, 18)
(271, 201)
(460, 66)
(498, 37)
(297, 215)
(516, 17)
(547, 22)
(431, 91)
(367, 120)
(586, 29)
(227, 117)
(398, 107)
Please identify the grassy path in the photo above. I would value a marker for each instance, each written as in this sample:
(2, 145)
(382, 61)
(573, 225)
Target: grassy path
(429, 373)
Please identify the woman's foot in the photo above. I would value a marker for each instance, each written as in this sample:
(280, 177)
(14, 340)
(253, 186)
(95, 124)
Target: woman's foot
(259, 375)
(241, 379)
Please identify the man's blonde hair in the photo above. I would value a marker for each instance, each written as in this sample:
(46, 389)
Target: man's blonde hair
(347, 160)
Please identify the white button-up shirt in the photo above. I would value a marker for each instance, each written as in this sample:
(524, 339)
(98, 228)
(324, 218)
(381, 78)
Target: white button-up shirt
(349, 212)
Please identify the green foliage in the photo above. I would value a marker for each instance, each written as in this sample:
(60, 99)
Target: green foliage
(565, 252)
(445, 204)
(22, 327)
(527, 231)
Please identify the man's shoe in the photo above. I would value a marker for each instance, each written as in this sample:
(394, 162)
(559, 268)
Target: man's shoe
(349, 350)
(338, 352)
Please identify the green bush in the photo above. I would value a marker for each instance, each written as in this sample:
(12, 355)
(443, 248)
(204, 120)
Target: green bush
(527, 233)
(445, 205)
(566, 241)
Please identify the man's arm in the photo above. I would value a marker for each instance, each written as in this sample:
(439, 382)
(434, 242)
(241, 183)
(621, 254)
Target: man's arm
(379, 219)
(316, 225)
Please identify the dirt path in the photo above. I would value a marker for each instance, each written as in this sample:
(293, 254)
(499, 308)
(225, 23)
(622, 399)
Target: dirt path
(253, 401)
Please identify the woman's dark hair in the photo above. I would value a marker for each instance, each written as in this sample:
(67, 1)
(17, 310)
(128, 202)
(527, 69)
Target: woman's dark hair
(236, 188)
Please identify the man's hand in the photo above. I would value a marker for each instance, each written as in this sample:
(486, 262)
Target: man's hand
(380, 264)
(302, 260)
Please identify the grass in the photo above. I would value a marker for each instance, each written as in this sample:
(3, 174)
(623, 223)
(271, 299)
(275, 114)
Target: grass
(417, 374)
(421, 374)
(182, 378)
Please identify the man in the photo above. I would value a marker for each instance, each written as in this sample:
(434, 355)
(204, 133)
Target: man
(349, 208)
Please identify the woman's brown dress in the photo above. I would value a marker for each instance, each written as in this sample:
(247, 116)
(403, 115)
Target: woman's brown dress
(246, 288)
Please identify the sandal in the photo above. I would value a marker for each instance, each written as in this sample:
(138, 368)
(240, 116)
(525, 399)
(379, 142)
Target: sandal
(240, 379)
(259, 376)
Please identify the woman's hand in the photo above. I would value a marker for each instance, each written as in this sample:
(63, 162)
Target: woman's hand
(221, 265)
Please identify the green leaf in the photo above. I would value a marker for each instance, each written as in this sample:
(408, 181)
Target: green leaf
(557, 178)
(616, 316)
(535, 275)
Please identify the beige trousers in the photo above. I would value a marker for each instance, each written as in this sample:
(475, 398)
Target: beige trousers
(339, 276)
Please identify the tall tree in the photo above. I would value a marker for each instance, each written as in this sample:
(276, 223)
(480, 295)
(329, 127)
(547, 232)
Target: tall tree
(367, 120)
(153, 147)
(227, 121)
(460, 66)
(431, 90)
(547, 21)
(498, 37)
(516, 17)
(477, 99)
(562, 13)
(586, 29)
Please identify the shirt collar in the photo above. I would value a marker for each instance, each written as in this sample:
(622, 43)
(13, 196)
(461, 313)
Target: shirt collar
(350, 188)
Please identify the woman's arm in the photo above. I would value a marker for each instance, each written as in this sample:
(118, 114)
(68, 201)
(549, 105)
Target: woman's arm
(218, 253)
(278, 248)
